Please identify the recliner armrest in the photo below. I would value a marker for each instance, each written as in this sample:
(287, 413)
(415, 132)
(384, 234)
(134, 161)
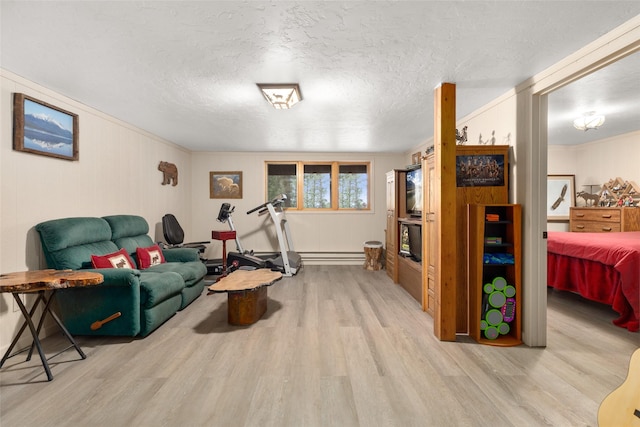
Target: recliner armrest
(117, 276)
(181, 254)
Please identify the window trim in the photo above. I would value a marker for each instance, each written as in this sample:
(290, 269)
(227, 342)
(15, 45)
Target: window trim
(335, 175)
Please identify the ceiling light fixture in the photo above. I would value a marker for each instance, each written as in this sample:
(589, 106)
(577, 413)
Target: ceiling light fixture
(281, 96)
(588, 121)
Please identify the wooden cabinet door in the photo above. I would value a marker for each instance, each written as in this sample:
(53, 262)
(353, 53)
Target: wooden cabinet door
(391, 191)
(391, 249)
(429, 237)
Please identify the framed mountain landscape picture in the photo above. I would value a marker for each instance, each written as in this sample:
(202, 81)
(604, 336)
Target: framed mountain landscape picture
(44, 129)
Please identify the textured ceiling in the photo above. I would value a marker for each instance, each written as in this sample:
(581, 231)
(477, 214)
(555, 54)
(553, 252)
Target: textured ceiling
(613, 91)
(187, 70)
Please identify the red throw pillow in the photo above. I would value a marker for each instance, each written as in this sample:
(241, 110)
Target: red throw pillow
(149, 256)
(118, 259)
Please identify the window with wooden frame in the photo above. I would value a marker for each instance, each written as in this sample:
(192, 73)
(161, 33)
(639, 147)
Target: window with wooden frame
(320, 185)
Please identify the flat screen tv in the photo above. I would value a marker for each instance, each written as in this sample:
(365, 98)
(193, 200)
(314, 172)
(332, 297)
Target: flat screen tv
(415, 241)
(414, 192)
(411, 241)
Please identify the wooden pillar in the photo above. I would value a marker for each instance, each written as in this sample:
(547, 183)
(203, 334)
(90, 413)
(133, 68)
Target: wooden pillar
(445, 171)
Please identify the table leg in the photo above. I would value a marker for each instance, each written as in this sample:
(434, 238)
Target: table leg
(41, 297)
(65, 331)
(224, 257)
(35, 331)
(225, 271)
(246, 307)
(22, 328)
(47, 309)
(32, 328)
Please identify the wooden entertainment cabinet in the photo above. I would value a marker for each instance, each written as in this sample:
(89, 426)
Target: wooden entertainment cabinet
(421, 280)
(401, 269)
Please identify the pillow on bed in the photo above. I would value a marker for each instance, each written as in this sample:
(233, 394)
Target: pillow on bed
(118, 259)
(149, 256)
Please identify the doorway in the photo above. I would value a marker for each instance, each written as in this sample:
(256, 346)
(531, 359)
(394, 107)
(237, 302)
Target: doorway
(533, 117)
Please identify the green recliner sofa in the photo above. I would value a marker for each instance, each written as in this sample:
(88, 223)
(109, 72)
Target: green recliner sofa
(145, 298)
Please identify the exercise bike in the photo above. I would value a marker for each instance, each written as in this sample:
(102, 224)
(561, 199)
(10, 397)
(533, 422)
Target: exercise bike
(240, 258)
(287, 261)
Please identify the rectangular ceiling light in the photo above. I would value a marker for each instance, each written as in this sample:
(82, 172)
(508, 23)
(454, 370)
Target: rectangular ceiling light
(281, 96)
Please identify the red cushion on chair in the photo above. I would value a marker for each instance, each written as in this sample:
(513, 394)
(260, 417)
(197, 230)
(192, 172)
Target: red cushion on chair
(118, 259)
(149, 256)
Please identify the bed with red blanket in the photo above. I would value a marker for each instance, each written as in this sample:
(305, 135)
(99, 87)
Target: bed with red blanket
(602, 267)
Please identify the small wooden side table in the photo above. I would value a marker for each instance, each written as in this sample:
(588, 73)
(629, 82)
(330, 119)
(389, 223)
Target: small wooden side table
(246, 294)
(39, 282)
(224, 236)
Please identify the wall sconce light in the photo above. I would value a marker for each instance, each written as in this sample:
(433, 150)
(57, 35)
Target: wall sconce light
(281, 96)
(588, 121)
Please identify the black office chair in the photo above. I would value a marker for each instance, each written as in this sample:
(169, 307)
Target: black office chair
(174, 235)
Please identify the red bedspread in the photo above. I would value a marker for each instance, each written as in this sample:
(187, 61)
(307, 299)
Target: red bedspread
(603, 267)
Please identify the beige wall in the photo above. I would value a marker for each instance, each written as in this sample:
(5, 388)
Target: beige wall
(595, 163)
(116, 174)
(494, 124)
(320, 237)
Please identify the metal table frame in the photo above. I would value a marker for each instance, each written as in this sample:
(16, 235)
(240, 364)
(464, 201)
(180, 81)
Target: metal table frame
(35, 332)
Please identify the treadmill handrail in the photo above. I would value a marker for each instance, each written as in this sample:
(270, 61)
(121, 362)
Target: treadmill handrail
(275, 202)
(257, 208)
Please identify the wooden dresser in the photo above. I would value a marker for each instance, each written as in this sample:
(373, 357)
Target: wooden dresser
(602, 220)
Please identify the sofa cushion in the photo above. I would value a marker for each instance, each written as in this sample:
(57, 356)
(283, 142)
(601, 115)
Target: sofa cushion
(191, 272)
(129, 232)
(157, 287)
(119, 259)
(149, 256)
(68, 243)
(126, 225)
(151, 318)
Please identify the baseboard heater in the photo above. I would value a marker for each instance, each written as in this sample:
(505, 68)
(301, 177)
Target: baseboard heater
(331, 258)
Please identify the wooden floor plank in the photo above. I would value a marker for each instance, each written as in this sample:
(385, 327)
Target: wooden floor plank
(338, 346)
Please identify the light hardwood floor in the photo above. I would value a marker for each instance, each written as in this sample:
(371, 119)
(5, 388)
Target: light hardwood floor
(338, 346)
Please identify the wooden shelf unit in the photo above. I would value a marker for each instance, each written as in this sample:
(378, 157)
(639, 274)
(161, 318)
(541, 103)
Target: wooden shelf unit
(477, 195)
(616, 189)
(509, 229)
